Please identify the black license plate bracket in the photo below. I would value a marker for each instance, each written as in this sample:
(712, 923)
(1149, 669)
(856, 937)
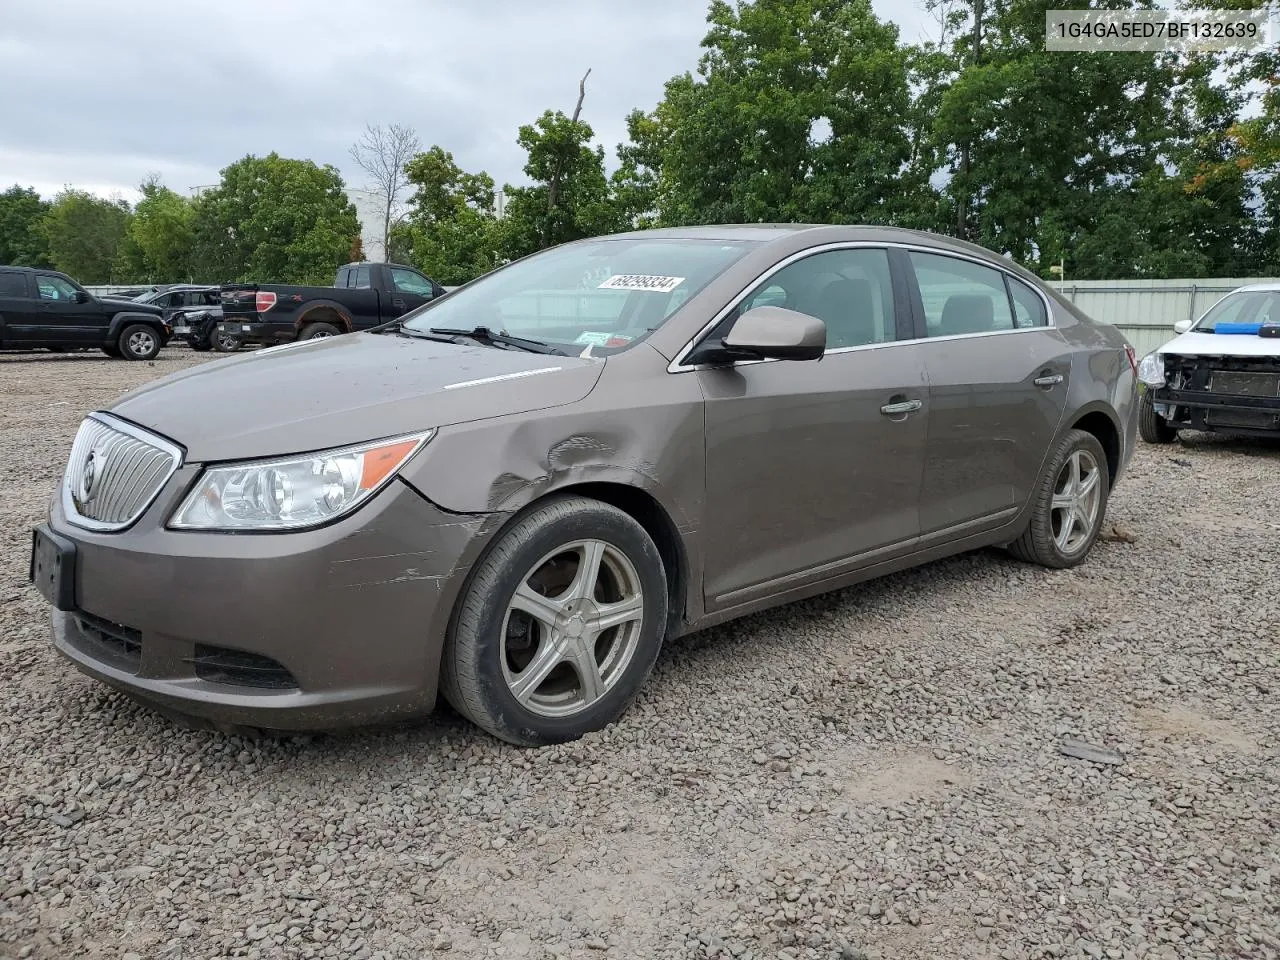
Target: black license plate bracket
(53, 567)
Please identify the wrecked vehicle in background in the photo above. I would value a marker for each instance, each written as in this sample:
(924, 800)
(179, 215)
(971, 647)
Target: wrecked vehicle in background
(1222, 373)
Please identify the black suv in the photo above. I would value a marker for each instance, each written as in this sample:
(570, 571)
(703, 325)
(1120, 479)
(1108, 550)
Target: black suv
(44, 308)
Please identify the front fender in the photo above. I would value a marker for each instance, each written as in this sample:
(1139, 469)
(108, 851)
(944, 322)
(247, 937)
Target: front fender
(121, 320)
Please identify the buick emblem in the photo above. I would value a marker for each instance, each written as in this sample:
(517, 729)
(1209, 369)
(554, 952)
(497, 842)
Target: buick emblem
(88, 476)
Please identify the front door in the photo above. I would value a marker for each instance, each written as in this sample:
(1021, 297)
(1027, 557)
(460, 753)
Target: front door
(62, 319)
(813, 464)
(412, 290)
(998, 377)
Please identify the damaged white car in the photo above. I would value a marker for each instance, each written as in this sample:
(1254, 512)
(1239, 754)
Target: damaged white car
(1222, 373)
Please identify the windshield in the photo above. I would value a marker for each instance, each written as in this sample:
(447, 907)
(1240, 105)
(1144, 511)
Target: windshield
(148, 297)
(1254, 307)
(602, 294)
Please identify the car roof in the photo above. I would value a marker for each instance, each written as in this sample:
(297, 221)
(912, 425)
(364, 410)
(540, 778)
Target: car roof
(823, 233)
(1271, 286)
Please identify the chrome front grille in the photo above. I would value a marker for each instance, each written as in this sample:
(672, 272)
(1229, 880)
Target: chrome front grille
(114, 473)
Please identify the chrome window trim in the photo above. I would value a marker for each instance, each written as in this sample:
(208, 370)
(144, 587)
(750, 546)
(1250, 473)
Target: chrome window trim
(176, 452)
(677, 365)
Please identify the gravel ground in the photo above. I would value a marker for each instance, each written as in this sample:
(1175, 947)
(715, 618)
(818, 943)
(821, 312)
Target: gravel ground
(874, 773)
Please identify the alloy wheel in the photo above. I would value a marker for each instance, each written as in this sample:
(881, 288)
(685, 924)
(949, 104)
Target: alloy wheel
(1077, 497)
(571, 628)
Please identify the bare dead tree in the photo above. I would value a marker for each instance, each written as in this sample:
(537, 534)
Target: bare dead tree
(382, 153)
(553, 187)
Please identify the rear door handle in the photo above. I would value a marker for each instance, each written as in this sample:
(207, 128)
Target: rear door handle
(904, 406)
(1049, 380)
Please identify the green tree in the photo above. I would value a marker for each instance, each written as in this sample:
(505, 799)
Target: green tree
(85, 233)
(23, 241)
(452, 231)
(569, 197)
(798, 112)
(161, 235)
(274, 218)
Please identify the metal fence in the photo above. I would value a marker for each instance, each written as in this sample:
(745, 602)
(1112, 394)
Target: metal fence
(1146, 310)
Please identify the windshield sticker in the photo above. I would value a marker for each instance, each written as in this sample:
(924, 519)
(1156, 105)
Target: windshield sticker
(641, 281)
(593, 338)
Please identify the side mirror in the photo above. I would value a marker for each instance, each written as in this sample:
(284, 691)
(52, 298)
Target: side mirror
(1182, 326)
(776, 333)
(82, 296)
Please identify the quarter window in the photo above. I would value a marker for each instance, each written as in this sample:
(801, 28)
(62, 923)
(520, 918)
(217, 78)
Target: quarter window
(961, 296)
(13, 285)
(848, 290)
(55, 288)
(1028, 307)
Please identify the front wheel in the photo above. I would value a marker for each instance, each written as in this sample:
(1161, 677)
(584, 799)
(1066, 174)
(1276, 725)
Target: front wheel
(1068, 504)
(138, 342)
(1152, 427)
(559, 625)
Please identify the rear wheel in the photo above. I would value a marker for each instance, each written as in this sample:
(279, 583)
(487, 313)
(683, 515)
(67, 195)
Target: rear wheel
(1068, 504)
(315, 331)
(225, 342)
(201, 346)
(559, 626)
(138, 342)
(1152, 427)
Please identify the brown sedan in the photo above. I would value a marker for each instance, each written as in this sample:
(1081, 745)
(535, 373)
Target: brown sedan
(518, 492)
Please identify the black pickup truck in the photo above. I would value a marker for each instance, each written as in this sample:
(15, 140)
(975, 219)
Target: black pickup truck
(363, 296)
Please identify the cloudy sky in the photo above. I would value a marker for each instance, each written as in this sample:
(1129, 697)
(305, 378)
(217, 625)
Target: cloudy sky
(100, 95)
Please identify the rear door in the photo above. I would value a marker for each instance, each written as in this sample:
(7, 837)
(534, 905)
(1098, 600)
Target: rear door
(998, 387)
(814, 467)
(17, 308)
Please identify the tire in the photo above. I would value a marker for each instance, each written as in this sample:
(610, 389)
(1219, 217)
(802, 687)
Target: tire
(224, 343)
(491, 644)
(315, 331)
(138, 341)
(1152, 427)
(201, 346)
(1043, 541)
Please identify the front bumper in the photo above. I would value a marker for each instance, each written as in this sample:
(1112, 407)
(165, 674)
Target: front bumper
(1201, 410)
(259, 332)
(314, 630)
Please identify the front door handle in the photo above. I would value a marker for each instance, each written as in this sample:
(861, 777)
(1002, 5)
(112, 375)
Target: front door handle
(1049, 380)
(898, 409)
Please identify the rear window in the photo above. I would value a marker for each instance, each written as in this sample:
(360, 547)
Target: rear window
(13, 284)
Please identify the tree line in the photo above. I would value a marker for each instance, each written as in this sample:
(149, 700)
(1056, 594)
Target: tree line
(1109, 165)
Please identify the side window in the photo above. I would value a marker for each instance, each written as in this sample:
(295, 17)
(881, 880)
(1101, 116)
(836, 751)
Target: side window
(1028, 308)
(406, 281)
(344, 277)
(960, 296)
(848, 290)
(361, 278)
(55, 288)
(13, 285)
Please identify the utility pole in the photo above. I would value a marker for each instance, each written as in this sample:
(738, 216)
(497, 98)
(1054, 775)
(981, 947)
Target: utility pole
(962, 207)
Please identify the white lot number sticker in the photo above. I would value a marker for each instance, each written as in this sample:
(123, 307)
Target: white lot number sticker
(641, 281)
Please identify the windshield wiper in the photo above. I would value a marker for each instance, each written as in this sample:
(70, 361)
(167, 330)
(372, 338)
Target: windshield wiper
(485, 335)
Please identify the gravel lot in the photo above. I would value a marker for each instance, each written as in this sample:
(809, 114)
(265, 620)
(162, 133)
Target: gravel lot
(870, 774)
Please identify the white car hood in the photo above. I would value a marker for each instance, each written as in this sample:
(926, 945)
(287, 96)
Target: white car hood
(1193, 344)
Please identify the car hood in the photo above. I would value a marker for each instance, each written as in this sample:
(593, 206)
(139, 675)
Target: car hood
(133, 306)
(1193, 344)
(341, 390)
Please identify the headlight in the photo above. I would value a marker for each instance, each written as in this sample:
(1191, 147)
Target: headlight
(1151, 369)
(293, 493)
